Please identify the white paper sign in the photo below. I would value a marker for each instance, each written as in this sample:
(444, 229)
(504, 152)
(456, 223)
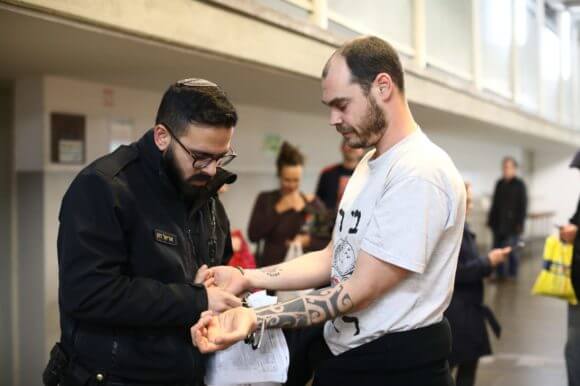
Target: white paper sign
(70, 151)
(120, 133)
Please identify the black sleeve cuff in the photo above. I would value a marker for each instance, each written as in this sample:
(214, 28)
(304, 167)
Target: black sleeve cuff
(200, 301)
(486, 264)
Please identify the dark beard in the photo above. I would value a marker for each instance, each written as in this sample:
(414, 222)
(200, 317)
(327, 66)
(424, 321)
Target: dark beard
(376, 122)
(189, 192)
(374, 125)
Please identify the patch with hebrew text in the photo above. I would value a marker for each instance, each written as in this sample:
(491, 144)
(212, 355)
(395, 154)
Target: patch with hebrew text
(165, 237)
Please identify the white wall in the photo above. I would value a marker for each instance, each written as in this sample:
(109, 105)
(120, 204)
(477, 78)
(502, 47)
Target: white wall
(555, 185)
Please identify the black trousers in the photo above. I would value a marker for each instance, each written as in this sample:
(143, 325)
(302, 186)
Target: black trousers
(307, 349)
(466, 373)
(417, 357)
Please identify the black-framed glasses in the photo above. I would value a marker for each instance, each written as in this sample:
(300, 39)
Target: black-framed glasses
(201, 162)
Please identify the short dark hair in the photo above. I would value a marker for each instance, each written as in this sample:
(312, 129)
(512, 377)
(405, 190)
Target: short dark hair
(288, 156)
(195, 101)
(367, 57)
(510, 159)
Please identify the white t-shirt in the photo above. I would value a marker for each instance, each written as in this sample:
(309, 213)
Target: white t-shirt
(406, 207)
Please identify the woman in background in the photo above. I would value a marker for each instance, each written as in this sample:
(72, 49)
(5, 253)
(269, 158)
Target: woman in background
(285, 215)
(467, 314)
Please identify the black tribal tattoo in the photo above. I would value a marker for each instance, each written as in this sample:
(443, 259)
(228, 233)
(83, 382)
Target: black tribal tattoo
(316, 307)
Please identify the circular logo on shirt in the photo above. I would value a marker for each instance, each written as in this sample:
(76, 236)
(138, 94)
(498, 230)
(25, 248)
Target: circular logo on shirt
(344, 259)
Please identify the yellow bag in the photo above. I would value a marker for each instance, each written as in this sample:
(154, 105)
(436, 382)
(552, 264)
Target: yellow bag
(555, 278)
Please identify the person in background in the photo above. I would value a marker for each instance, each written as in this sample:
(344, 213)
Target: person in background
(467, 314)
(242, 256)
(508, 213)
(284, 215)
(333, 179)
(568, 233)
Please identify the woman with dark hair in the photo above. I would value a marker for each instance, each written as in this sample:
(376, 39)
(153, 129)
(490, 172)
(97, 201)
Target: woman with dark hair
(285, 215)
(467, 314)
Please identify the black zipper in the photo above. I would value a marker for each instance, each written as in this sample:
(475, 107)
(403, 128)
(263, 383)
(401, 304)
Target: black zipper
(190, 251)
(212, 247)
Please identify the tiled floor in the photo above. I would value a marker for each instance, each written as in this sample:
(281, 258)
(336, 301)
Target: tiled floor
(530, 351)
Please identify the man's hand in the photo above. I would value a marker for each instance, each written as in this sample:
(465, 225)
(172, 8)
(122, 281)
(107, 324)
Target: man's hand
(568, 233)
(230, 279)
(498, 256)
(219, 300)
(213, 333)
(290, 201)
(204, 276)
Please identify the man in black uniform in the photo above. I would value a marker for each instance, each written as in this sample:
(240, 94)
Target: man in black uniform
(136, 226)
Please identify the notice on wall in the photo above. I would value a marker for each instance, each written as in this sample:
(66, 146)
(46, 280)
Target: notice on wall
(70, 151)
(271, 143)
(120, 133)
(67, 138)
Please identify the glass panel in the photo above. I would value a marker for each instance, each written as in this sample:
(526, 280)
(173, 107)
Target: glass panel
(496, 35)
(338, 29)
(391, 20)
(550, 73)
(527, 50)
(576, 77)
(287, 8)
(448, 30)
(566, 68)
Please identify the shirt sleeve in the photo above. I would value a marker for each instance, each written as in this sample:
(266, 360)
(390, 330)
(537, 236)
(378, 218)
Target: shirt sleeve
(407, 224)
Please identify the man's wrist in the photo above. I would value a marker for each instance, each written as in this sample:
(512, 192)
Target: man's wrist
(250, 277)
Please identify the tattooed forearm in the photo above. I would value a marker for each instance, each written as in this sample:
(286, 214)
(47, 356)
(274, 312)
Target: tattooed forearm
(271, 271)
(314, 308)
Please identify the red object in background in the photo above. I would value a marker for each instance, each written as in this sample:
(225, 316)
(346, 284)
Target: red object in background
(242, 256)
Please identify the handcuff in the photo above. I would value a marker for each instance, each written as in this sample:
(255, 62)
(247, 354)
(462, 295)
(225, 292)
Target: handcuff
(251, 338)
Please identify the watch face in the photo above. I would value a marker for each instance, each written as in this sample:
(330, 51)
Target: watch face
(344, 259)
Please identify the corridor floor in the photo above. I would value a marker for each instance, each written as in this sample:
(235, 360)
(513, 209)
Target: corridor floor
(531, 349)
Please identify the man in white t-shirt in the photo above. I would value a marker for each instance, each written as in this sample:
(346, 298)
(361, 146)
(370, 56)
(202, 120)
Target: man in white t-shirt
(390, 267)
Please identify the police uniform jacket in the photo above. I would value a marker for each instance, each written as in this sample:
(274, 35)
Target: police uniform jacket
(128, 250)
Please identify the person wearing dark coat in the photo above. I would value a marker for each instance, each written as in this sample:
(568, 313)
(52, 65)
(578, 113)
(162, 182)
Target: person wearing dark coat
(466, 313)
(137, 228)
(507, 215)
(569, 234)
(285, 215)
(333, 179)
